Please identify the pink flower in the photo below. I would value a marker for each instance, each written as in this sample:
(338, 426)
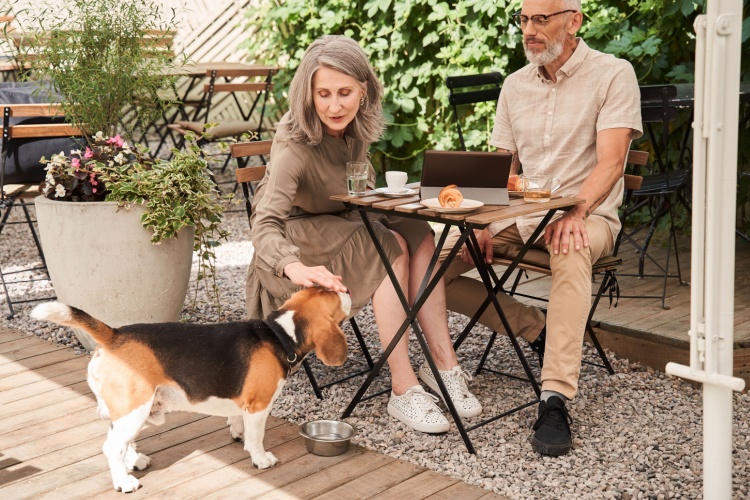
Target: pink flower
(93, 190)
(75, 162)
(88, 154)
(116, 140)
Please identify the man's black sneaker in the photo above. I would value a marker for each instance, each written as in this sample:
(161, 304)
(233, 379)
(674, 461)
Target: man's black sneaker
(538, 345)
(552, 428)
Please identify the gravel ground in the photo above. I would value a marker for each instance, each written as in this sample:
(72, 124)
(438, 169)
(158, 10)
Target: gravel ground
(637, 434)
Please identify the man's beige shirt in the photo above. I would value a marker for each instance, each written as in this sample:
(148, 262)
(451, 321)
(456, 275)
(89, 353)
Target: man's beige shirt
(553, 125)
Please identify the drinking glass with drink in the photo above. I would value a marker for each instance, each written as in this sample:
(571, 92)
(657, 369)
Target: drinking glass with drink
(538, 188)
(356, 177)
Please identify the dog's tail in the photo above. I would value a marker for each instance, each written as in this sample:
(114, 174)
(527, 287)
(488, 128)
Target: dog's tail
(59, 313)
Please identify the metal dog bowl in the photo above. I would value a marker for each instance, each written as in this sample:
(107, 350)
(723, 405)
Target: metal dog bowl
(327, 438)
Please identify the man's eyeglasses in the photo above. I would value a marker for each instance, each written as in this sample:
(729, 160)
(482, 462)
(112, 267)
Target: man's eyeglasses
(539, 20)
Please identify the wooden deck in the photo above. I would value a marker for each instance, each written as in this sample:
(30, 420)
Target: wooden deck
(51, 439)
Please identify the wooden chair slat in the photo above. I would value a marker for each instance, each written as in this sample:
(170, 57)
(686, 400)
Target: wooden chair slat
(251, 148)
(250, 174)
(247, 72)
(43, 130)
(238, 87)
(40, 109)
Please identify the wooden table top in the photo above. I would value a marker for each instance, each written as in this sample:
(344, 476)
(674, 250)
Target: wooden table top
(482, 216)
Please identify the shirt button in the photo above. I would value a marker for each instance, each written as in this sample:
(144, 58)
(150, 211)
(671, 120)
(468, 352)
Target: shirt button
(554, 91)
(546, 137)
(549, 112)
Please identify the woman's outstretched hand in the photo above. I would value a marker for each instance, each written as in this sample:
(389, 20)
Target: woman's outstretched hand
(300, 274)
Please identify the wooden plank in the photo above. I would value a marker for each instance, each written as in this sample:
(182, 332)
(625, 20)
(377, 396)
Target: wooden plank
(33, 109)
(330, 478)
(420, 486)
(84, 459)
(35, 440)
(49, 412)
(9, 349)
(21, 342)
(525, 209)
(9, 335)
(47, 130)
(283, 474)
(237, 87)
(34, 363)
(23, 354)
(391, 203)
(249, 174)
(43, 386)
(464, 491)
(46, 372)
(53, 425)
(31, 403)
(409, 208)
(374, 482)
(169, 467)
(235, 466)
(251, 148)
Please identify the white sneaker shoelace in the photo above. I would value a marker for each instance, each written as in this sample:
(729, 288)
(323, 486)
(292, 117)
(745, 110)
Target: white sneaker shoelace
(456, 382)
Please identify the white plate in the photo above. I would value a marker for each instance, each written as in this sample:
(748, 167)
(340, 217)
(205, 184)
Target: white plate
(399, 194)
(466, 206)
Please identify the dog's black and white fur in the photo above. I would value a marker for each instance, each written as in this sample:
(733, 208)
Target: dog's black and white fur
(141, 372)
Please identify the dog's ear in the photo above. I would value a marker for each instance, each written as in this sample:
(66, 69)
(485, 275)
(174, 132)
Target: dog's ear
(330, 345)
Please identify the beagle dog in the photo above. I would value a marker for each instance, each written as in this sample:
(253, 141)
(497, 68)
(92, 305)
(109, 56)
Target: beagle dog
(139, 373)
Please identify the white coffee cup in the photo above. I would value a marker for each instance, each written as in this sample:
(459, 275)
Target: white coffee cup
(396, 180)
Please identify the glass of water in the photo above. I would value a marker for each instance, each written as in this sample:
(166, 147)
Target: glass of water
(356, 177)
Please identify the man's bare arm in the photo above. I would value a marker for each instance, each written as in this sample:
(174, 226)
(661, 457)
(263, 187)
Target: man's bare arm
(611, 151)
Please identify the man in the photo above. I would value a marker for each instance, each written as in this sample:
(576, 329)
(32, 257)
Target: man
(570, 114)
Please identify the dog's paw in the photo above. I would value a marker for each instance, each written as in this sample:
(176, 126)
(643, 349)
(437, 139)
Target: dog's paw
(236, 428)
(127, 485)
(266, 460)
(141, 462)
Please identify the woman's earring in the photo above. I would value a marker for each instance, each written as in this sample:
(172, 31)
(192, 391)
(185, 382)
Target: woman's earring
(362, 102)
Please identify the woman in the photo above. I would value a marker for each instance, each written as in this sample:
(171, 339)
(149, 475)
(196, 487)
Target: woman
(303, 239)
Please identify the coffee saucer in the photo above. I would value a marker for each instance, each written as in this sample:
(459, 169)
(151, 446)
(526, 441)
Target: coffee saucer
(396, 194)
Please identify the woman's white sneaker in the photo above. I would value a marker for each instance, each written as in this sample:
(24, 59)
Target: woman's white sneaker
(417, 409)
(455, 380)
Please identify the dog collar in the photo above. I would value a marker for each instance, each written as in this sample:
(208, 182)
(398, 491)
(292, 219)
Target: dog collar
(286, 343)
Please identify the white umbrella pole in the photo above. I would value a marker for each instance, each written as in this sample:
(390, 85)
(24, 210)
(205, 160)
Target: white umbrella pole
(717, 68)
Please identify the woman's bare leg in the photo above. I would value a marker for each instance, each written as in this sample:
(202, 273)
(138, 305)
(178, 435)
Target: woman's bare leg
(389, 315)
(433, 317)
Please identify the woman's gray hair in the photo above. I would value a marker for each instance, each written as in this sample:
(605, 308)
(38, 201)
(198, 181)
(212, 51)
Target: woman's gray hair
(343, 54)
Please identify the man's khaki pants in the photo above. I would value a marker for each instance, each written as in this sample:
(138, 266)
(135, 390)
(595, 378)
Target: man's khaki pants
(567, 311)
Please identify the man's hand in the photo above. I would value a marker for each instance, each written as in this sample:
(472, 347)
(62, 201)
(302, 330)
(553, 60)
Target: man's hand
(300, 274)
(485, 245)
(568, 229)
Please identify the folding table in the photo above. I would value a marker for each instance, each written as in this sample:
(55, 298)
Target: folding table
(466, 223)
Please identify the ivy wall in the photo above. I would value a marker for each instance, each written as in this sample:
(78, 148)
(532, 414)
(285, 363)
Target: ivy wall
(415, 44)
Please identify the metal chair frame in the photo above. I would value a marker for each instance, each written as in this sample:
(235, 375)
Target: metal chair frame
(486, 87)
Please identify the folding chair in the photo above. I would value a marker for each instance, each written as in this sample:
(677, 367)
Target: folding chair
(247, 88)
(25, 178)
(537, 261)
(246, 176)
(483, 88)
(661, 190)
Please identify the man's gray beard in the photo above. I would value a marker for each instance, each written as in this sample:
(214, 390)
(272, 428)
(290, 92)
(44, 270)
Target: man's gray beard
(553, 51)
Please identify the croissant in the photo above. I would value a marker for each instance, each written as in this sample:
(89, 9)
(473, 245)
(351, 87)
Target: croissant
(450, 197)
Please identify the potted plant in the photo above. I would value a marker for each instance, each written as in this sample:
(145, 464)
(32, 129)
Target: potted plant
(119, 229)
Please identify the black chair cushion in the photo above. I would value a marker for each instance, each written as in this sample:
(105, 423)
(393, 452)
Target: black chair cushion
(22, 163)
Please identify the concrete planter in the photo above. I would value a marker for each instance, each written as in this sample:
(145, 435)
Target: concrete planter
(103, 262)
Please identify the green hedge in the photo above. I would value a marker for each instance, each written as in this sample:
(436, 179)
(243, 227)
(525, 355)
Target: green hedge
(415, 44)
